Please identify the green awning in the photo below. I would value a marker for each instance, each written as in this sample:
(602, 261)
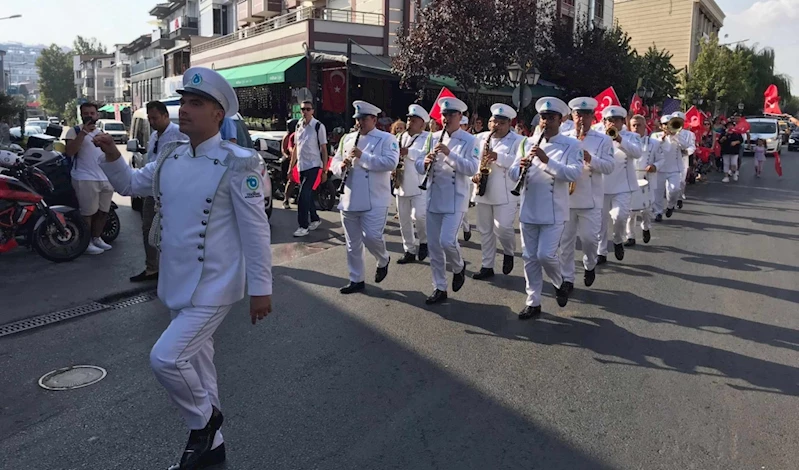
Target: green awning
(109, 108)
(538, 90)
(262, 73)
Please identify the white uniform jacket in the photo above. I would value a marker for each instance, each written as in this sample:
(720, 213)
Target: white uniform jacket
(667, 150)
(449, 186)
(211, 221)
(623, 178)
(545, 199)
(499, 182)
(369, 182)
(589, 192)
(411, 179)
(649, 158)
(687, 141)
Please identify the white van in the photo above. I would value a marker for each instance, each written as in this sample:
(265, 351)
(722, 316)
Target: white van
(766, 128)
(115, 129)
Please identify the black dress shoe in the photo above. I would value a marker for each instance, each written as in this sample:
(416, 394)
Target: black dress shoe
(647, 236)
(530, 312)
(213, 457)
(144, 277)
(423, 251)
(484, 273)
(590, 277)
(601, 259)
(630, 242)
(353, 287)
(507, 264)
(569, 286)
(198, 449)
(458, 279)
(561, 295)
(407, 258)
(381, 273)
(679, 204)
(618, 250)
(669, 212)
(436, 297)
(659, 218)
(467, 235)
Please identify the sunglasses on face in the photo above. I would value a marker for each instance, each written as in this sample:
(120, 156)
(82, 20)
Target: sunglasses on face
(307, 109)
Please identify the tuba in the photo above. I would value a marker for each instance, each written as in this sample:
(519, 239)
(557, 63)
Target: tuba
(399, 172)
(485, 167)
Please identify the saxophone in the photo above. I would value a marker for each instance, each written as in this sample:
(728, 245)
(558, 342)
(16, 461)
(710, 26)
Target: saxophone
(399, 172)
(580, 137)
(485, 167)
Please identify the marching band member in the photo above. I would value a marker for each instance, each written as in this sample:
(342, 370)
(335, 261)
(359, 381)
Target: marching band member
(448, 167)
(545, 165)
(588, 199)
(687, 141)
(496, 206)
(411, 203)
(647, 166)
(667, 146)
(365, 162)
(620, 184)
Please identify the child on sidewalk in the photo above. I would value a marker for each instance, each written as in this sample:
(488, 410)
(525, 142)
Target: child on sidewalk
(760, 156)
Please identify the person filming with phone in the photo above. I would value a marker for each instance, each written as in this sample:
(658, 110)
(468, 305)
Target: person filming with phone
(92, 188)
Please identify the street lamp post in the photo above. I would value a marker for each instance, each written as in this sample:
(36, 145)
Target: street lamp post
(11, 17)
(741, 108)
(519, 77)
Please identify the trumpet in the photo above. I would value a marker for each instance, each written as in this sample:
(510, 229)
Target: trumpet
(399, 172)
(612, 132)
(346, 171)
(517, 190)
(485, 167)
(423, 186)
(675, 125)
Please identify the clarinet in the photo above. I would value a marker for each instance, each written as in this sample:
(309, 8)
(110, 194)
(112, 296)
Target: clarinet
(523, 177)
(423, 186)
(346, 171)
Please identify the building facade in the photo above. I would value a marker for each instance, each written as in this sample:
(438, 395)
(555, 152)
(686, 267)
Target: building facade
(146, 68)
(20, 65)
(596, 12)
(94, 77)
(678, 26)
(121, 75)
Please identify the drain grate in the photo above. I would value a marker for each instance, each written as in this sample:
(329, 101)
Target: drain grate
(54, 317)
(70, 378)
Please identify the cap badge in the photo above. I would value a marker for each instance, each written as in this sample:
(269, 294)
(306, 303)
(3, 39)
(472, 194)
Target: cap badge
(197, 79)
(499, 111)
(446, 104)
(547, 104)
(583, 104)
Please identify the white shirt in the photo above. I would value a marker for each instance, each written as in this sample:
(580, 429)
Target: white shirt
(499, 183)
(368, 184)
(171, 134)
(309, 143)
(86, 166)
(416, 149)
(450, 183)
(589, 192)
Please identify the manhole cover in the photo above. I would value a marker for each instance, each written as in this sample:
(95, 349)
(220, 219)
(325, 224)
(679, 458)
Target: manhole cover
(70, 378)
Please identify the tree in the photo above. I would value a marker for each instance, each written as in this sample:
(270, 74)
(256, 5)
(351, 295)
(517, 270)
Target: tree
(761, 75)
(23, 90)
(88, 46)
(10, 106)
(55, 79)
(70, 112)
(718, 74)
(790, 105)
(658, 73)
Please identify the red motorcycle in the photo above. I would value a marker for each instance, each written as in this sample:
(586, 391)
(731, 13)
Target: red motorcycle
(57, 233)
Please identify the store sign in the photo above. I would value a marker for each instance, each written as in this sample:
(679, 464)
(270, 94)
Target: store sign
(267, 79)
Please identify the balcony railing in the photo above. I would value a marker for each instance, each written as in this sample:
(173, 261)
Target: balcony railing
(567, 10)
(147, 64)
(183, 27)
(301, 14)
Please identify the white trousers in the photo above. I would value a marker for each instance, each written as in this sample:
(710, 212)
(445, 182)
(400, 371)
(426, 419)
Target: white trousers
(586, 224)
(412, 210)
(183, 362)
(442, 242)
(646, 221)
(730, 163)
(684, 173)
(540, 250)
(614, 216)
(496, 222)
(364, 228)
(667, 193)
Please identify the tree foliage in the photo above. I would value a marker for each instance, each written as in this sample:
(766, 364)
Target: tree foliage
(761, 75)
(719, 74)
(658, 73)
(55, 79)
(10, 106)
(88, 46)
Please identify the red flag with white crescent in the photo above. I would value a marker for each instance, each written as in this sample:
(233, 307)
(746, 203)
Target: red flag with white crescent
(771, 105)
(637, 105)
(334, 91)
(605, 99)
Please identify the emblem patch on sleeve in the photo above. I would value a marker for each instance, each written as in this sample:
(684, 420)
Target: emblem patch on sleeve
(251, 188)
(393, 146)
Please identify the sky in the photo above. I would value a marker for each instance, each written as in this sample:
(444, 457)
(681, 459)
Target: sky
(769, 23)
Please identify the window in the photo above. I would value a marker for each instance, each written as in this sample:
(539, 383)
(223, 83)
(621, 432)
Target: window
(599, 8)
(109, 82)
(113, 126)
(90, 82)
(99, 64)
(763, 127)
(77, 74)
(221, 20)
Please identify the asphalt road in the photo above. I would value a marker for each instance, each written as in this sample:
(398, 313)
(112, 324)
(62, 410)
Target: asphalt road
(683, 356)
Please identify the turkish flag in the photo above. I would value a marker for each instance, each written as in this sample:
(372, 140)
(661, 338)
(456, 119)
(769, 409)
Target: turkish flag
(637, 105)
(435, 113)
(693, 118)
(777, 163)
(334, 91)
(605, 99)
(771, 105)
(742, 127)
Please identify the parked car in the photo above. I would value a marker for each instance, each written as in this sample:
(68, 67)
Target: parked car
(785, 131)
(793, 141)
(766, 128)
(115, 129)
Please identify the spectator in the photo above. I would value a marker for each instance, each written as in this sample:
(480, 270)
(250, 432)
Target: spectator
(287, 146)
(92, 189)
(398, 127)
(478, 125)
(310, 154)
(730, 143)
(228, 130)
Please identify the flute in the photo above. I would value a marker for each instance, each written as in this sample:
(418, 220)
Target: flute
(523, 177)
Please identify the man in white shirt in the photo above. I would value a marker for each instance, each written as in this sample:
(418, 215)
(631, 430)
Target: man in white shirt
(164, 131)
(310, 156)
(92, 189)
(411, 203)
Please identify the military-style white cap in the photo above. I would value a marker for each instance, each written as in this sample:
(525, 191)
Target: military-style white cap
(499, 110)
(678, 114)
(583, 103)
(450, 104)
(614, 112)
(210, 84)
(464, 121)
(418, 111)
(550, 104)
(362, 108)
(666, 118)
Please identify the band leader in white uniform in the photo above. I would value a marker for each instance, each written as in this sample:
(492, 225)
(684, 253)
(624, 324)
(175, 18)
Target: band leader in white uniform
(688, 145)
(668, 176)
(646, 167)
(454, 159)
(367, 194)
(545, 201)
(213, 235)
(411, 203)
(619, 185)
(588, 199)
(496, 209)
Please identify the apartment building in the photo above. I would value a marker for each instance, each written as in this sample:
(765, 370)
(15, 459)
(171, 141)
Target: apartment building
(179, 23)
(121, 67)
(596, 12)
(678, 26)
(94, 77)
(19, 65)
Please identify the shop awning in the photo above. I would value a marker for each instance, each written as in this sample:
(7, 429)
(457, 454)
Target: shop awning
(543, 88)
(262, 73)
(109, 108)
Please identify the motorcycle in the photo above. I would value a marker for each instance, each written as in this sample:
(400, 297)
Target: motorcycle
(57, 233)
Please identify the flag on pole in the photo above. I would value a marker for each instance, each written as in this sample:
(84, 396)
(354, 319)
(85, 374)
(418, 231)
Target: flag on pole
(670, 105)
(742, 127)
(777, 163)
(605, 99)
(435, 112)
(771, 104)
(637, 105)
